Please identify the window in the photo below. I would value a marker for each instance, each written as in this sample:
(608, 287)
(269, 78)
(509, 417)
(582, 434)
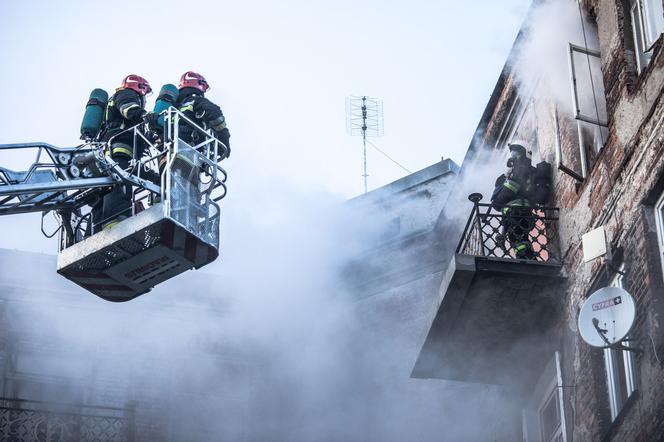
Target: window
(520, 124)
(647, 21)
(567, 145)
(659, 220)
(620, 370)
(35, 372)
(550, 419)
(392, 229)
(543, 420)
(588, 97)
(582, 135)
(591, 140)
(589, 104)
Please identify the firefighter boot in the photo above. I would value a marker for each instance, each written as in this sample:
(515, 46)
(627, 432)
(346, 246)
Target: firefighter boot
(523, 250)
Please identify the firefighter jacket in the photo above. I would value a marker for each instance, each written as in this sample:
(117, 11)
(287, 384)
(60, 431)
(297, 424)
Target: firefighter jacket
(515, 184)
(203, 112)
(523, 185)
(124, 110)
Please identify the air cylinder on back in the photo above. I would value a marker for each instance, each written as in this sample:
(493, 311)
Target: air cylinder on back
(94, 113)
(168, 95)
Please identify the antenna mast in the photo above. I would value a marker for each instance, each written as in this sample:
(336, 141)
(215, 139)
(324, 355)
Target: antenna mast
(364, 116)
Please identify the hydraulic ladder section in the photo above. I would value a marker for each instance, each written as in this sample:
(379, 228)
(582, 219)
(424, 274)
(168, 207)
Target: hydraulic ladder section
(172, 224)
(52, 182)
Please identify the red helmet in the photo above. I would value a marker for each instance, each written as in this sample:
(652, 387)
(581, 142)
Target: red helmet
(136, 83)
(192, 79)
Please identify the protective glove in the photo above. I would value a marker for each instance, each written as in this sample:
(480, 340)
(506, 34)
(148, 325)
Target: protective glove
(151, 120)
(224, 136)
(228, 152)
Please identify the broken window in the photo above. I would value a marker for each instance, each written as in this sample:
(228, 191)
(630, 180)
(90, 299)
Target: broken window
(568, 152)
(587, 85)
(620, 370)
(591, 140)
(589, 106)
(647, 22)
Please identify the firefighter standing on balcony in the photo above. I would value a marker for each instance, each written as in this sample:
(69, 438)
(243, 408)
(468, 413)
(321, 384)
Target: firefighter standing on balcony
(515, 194)
(126, 108)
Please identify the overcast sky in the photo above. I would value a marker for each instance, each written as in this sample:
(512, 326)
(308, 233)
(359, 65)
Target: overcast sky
(280, 71)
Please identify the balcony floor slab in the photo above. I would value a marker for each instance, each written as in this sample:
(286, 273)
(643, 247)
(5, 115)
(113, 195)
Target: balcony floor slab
(494, 315)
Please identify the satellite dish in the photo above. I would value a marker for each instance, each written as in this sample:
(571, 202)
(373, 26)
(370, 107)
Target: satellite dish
(607, 317)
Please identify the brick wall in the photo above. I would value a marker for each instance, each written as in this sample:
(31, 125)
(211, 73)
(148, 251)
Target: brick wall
(623, 182)
(613, 195)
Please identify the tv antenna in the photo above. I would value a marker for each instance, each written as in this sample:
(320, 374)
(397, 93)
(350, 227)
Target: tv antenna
(607, 317)
(364, 116)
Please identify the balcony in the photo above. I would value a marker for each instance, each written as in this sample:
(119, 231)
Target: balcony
(22, 420)
(493, 232)
(498, 298)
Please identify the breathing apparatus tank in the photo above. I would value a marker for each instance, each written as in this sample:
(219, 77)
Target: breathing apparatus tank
(543, 178)
(168, 95)
(94, 114)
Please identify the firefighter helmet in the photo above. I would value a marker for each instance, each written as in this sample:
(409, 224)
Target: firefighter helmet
(192, 79)
(520, 147)
(136, 83)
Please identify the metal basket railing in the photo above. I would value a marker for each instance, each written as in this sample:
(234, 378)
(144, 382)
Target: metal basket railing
(513, 232)
(72, 182)
(24, 420)
(195, 196)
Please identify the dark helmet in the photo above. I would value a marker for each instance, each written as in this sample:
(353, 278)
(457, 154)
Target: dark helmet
(192, 79)
(136, 83)
(520, 148)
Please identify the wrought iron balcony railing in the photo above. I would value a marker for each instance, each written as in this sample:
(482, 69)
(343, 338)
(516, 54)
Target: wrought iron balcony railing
(511, 231)
(22, 421)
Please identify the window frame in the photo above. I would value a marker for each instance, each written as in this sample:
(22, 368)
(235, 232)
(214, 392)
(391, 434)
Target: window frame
(645, 11)
(522, 106)
(615, 361)
(553, 399)
(559, 152)
(640, 53)
(640, 11)
(575, 94)
(596, 124)
(586, 166)
(659, 223)
(549, 390)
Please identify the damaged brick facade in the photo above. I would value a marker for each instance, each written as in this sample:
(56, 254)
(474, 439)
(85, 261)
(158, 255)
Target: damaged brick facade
(619, 193)
(615, 186)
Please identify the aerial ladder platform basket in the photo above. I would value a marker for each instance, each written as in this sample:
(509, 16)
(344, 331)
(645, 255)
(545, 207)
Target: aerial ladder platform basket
(172, 225)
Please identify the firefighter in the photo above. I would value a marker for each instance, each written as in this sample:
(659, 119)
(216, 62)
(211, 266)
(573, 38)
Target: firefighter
(512, 196)
(126, 108)
(192, 102)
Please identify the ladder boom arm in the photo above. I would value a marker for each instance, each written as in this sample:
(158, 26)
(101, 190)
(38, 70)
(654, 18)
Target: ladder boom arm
(53, 181)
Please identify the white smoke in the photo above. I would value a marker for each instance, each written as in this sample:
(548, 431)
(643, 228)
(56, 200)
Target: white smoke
(543, 61)
(274, 346)
(271, 346)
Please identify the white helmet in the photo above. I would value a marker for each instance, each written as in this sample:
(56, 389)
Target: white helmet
(521, 147)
